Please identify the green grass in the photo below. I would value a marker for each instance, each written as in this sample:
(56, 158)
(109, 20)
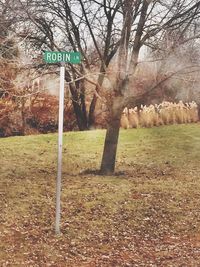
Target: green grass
(147, 213)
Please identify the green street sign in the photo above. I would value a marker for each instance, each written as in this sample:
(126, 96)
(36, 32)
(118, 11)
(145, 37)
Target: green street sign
(55, 57)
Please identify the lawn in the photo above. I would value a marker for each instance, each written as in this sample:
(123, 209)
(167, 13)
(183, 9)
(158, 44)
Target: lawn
(147, 214)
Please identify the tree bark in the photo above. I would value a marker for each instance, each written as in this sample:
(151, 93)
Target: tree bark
(80, 117)
(199, 111)
(110, 145)
(91, 117)
(78, 101)
(23, 116)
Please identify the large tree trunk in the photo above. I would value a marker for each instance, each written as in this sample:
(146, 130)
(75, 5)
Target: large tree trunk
(110, 147)
(111, 140)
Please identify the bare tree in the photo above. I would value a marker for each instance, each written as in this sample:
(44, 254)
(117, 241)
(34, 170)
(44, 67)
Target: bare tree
(8, 48)
(66, 25)
(146, 20)
(119, 32)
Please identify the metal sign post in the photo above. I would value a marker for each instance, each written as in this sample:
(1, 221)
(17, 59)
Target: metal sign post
(60, 142)
(54, 57)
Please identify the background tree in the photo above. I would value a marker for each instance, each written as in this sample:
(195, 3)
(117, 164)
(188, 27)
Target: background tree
(66, 25)
(8, 48)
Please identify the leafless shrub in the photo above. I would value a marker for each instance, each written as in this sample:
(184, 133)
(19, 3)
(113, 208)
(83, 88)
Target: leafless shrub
(10, 120)
(162, 114)
(133, 118)
(124, 119)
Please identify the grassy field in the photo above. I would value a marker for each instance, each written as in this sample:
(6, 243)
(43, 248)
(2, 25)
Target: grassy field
(147, 214)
